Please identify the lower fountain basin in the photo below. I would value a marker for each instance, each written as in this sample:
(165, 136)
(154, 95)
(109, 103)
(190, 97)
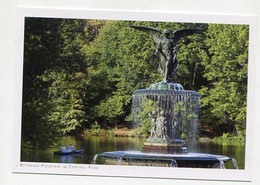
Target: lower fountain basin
(191, 160)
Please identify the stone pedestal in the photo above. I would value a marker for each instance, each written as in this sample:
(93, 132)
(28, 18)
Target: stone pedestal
(176, 147)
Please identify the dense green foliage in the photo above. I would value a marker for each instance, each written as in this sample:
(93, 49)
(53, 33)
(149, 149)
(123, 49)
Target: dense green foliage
(226, 65)
(81, 74)
(227, 139)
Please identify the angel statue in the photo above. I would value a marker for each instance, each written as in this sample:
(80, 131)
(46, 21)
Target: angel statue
(167, 48)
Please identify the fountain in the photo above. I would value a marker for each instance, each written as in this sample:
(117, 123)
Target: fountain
(172, 111)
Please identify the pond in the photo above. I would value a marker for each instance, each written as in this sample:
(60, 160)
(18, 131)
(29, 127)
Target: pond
(98, 144)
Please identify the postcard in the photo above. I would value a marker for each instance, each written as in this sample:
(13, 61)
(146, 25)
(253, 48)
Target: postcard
(134, 94)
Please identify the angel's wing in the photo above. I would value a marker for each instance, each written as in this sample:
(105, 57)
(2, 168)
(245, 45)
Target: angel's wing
(151, 30)
(178, 34)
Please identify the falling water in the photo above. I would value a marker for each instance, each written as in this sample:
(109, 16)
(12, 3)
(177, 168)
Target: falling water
(181, 107)
(174, 164)
(119, 161)
(94, 159)
(234, 163)
(222, 165)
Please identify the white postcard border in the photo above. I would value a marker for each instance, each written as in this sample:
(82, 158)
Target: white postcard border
(133, 171)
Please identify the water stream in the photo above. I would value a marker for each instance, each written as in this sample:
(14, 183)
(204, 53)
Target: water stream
(120, 160)
(235, 163)
(174, 164)
(94, 159)
(222, 165)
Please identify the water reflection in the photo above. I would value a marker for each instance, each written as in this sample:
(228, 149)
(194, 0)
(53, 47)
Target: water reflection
(66, 158)
(94, 145)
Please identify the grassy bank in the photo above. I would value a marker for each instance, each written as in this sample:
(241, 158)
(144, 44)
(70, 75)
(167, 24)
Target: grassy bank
(226, 138)
(123, 132)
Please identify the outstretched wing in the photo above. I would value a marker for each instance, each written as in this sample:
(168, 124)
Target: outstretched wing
(151, 30)
(178, 34)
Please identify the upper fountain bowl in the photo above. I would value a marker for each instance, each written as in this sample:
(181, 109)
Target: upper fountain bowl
(167, 86)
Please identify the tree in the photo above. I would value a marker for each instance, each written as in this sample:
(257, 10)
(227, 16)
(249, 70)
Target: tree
(41, 48)
(68, 78)
(124, 57)
(81, 72)
(55, 77)
(226, 65)
(127, 58)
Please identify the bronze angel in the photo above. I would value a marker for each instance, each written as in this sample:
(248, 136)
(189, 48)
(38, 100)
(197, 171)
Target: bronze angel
(167, 47)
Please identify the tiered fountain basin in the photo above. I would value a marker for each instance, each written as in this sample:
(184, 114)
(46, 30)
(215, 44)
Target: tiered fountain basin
(166, 118)
(173, 112)
(188, 160)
